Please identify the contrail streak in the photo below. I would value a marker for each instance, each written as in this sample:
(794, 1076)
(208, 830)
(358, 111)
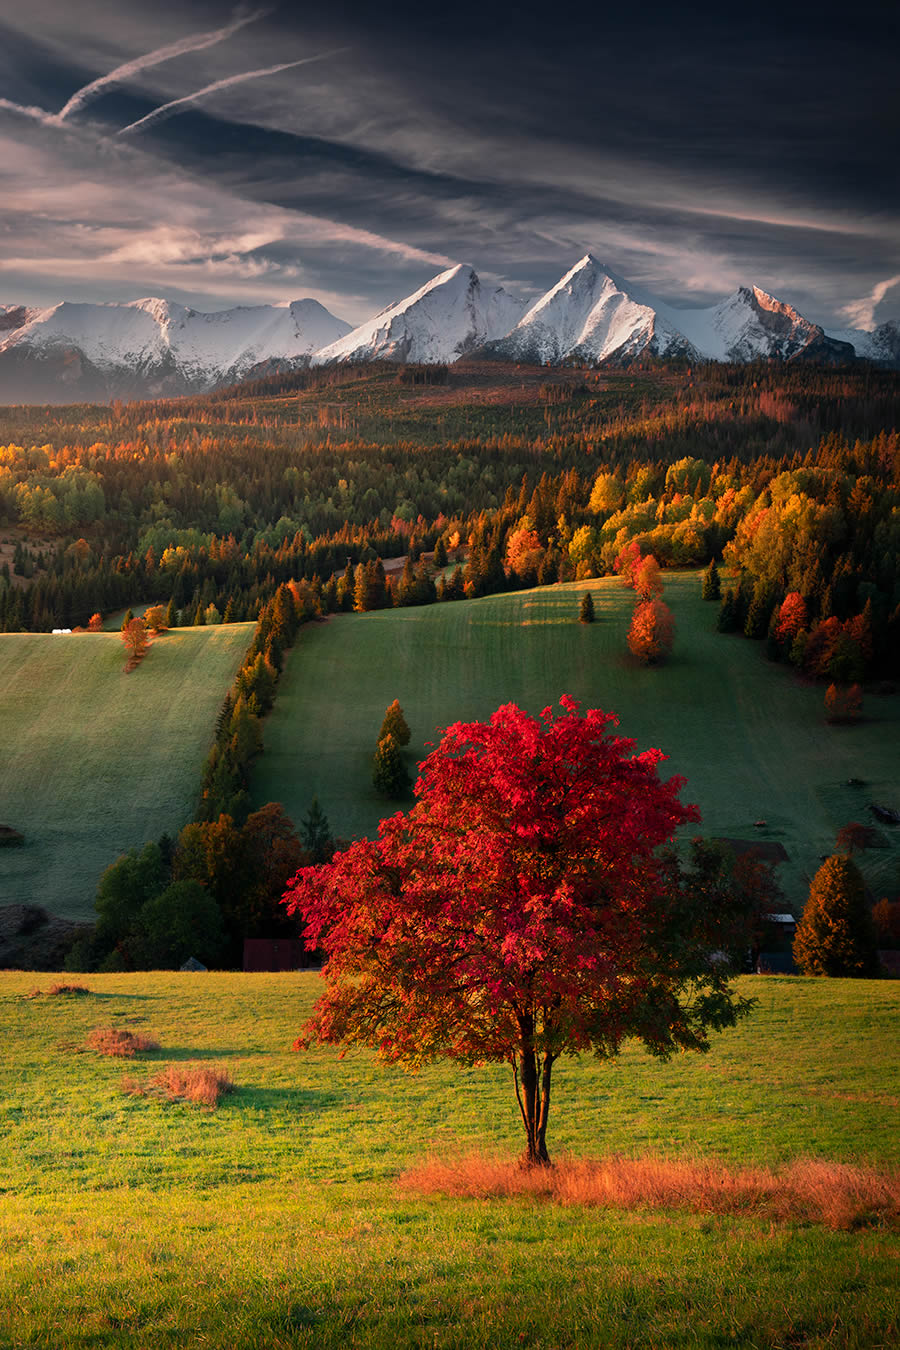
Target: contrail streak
(155, 58)
(166, 109)
(29, 110)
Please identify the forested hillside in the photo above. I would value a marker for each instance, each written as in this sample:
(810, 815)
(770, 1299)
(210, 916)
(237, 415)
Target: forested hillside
(788, 475)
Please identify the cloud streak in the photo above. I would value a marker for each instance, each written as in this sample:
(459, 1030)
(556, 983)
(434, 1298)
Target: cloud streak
(861, 313)
(197, 43)
(169, 109)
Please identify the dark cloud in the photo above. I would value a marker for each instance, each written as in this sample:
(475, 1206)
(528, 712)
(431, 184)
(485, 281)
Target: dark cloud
(694, 147)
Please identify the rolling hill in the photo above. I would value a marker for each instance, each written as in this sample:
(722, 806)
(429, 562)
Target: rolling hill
(95, 761)
(750, 739)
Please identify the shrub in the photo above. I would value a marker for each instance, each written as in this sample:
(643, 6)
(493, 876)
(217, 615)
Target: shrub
(57, 990)
(843, 703)
(192, 1083)
(120, 1044)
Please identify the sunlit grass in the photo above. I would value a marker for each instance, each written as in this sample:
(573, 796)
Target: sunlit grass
(277, 1220)
(749, 737)
(94, 761)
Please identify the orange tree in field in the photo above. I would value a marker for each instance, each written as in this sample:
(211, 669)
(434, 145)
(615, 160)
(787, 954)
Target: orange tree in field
(136, 639)
(522, 910)
(652, 632)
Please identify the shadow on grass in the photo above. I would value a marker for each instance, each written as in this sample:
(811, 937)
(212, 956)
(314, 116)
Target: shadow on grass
(179, 1053)
(289, 1099)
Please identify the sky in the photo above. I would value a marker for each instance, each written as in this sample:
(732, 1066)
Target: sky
(220, 154)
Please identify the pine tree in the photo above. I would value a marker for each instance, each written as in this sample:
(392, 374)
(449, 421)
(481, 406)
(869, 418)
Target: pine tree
(836, 935)
(316, 834)
(712, 585)
(440, 553)
(395, 724)
(389, 773)
(727, 620)
(586, 608)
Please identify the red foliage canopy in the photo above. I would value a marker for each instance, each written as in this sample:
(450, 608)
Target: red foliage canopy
(521, 910)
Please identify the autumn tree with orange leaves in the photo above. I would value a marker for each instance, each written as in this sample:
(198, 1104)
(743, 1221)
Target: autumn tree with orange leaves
(136, 640)
(652, 632)
(522, 910)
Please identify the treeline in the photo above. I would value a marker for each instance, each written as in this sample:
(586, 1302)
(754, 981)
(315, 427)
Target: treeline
(222, 879)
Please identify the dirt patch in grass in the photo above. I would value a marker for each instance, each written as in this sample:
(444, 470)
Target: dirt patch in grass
(838, 1195)
(189, 1083)
(120, 1044)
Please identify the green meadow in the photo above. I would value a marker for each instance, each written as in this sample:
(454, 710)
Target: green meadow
(96, 761)
(749, 736)
(277, 1220)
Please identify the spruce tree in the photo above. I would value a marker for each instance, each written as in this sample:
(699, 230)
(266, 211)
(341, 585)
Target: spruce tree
(586, 608)
(727, 620)
(836, 935)
(395, 724)
(389, 773)
(440, 553)
(316, 834)
(712, 586)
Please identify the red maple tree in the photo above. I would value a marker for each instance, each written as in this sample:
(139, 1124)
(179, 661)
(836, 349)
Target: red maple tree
(522, 910)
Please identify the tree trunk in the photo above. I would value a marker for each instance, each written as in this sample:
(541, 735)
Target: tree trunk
(534, 1103)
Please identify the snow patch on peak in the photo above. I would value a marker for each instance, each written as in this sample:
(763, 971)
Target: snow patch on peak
(441, 321)
(158, 346)
(590, 314)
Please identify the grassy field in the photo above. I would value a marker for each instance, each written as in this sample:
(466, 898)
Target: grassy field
(95, 761)
(748, 736)
(277, 1220)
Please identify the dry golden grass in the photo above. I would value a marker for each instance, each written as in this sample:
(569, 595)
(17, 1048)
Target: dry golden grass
(119, 1043)
(60, 990)
(838, 1195)
(193, 1083)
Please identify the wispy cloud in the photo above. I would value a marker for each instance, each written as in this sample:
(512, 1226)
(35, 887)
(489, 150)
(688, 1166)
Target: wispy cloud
(29, 110)
(88, 92)
(170, 108)
(861, 313)
(182, 47)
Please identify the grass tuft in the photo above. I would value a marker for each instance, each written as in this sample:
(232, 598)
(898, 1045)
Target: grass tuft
(838, 1195)
(120, 1044)
(60, 990)
(194, 1083)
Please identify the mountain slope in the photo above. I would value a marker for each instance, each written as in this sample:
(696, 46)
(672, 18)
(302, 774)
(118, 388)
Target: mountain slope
(592, 314)
(881, 345)
(447, 317)
(151, 346)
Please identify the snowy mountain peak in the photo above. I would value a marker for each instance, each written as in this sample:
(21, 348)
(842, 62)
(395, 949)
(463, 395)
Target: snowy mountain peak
(152, 347)
(450, 315)
(157, 347)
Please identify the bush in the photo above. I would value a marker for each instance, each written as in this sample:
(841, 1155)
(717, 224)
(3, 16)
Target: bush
(192, 1083)
(184, 920)
(120, 1044)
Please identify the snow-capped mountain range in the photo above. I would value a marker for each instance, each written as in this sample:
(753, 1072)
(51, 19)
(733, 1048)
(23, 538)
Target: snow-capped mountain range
(152, 347)
(72, 352)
